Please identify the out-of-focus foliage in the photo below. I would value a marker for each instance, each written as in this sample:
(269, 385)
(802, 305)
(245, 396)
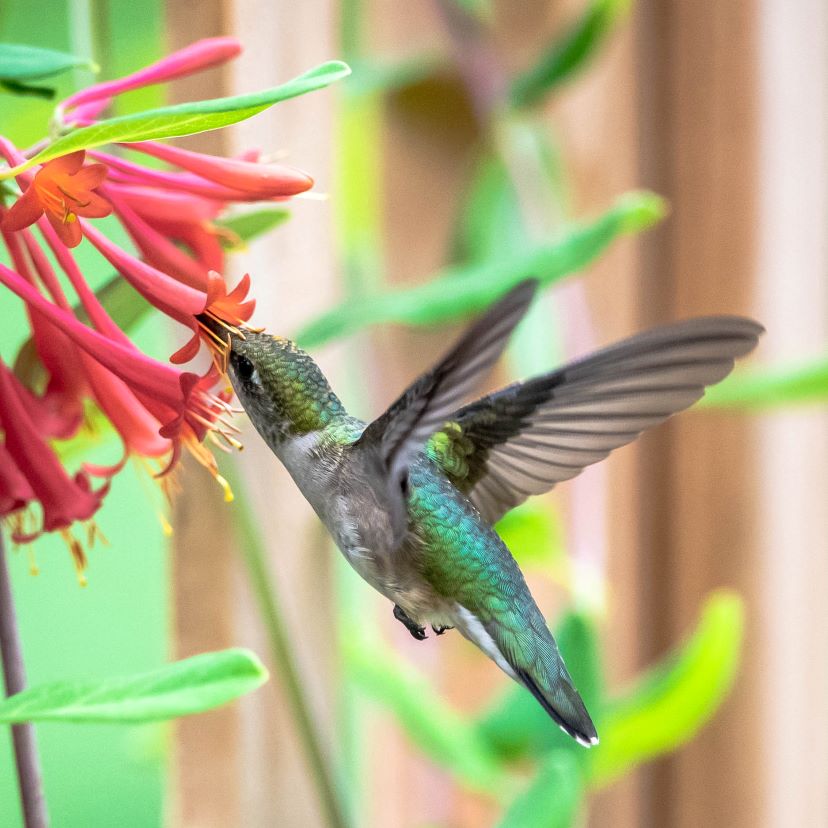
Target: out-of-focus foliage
(668, 704)
(567, 55)
(554, 796)
(190, 686)
(796, 384)
(535, 537)
(458, 292)
(663, 709)
(442, 733)
(244, 227)
(21, 62)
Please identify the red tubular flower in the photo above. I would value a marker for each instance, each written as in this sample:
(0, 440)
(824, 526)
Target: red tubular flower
(262, 180)
(196, 57)
(64, 499)
(63, 189)
(156, 408)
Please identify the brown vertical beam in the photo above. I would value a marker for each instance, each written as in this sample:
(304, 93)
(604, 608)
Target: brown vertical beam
(698, 85)
(206, 762)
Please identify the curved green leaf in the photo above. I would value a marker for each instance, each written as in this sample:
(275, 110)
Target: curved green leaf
(569, 54)
(798, 383)
(459, 292)
(190, 686)
(672, 701)
(553, 797)
(19, 62)
(250, 224)
(439, 731)
(186, 118)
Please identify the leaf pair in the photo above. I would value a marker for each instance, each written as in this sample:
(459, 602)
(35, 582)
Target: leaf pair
(20, 64)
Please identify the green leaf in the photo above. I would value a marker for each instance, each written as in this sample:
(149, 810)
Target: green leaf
(794, 384)
(249, 225)
(190, 686)
(461, 291)
(553, 797)
(186, 118)
(568, 54)
(672, 701)
(45, 93)
(439, 731)
(517, 726)
(534, 535)
(490, 223)
(19, 62)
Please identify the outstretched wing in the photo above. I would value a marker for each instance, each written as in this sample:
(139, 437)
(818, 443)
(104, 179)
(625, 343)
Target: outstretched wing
(402, 431)
(524, 439)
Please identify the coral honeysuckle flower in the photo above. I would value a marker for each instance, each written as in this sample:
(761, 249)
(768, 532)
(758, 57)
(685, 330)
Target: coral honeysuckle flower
(83, 361)
(63, 189)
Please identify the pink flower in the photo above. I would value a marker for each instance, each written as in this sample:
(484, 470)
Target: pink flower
(157, 409)
(196, 57)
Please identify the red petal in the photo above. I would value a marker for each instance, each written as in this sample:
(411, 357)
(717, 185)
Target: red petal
(25, 211)
(69, 232)
(65, 165)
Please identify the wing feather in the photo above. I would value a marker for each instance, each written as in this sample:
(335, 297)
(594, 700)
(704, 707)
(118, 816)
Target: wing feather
(529, 436)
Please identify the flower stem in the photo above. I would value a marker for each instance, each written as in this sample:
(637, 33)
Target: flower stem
(266, 592)
(23, 735)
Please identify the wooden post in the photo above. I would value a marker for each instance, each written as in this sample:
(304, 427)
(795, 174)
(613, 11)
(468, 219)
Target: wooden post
(699, 131)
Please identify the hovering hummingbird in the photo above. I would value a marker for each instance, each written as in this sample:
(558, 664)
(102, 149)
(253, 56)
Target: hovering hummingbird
(410, 498)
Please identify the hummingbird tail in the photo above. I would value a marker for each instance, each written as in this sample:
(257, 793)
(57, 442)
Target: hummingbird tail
(564, 705)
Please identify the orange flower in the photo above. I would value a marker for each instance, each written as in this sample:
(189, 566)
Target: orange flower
(63, 189)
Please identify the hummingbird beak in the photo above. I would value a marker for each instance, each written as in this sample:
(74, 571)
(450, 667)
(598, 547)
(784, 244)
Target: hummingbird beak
(218, 336)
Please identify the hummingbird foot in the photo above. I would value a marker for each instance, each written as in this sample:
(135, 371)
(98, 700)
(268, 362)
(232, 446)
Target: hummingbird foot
(410, 624)
(439, 629)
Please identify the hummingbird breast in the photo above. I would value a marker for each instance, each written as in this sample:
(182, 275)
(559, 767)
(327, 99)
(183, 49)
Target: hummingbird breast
(339, 486)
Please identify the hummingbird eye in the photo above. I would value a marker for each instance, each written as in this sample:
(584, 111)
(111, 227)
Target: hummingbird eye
(245, 369)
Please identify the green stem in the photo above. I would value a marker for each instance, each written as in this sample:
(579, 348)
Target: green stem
(26, 758)
(267, 596)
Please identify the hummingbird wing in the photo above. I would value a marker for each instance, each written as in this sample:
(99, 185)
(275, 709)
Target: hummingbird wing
(524, 439)
(399, 435)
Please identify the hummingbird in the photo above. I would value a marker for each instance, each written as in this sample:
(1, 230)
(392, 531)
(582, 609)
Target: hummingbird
(410, 498)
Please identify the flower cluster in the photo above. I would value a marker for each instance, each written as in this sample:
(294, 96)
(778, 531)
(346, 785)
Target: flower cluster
(155, 407)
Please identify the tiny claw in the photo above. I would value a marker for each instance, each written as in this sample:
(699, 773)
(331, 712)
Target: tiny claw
(439, 629)
(416, 630)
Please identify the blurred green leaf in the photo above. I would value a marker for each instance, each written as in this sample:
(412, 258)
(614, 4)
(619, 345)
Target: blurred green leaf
(440, 732)
(45, 93)
(187, 118)
(672, 701)
(371, 76)
(459, 292)
(534, 535)
(250, 224)
(190, 686)
(553, 797)
(19, 62)
(517, 726)
(567, 55)
(490, 223)
(799, 383)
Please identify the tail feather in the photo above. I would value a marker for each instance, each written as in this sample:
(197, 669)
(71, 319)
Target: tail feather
(566, 708)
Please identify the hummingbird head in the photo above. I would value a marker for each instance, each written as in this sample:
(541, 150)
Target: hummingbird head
(280, 387)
